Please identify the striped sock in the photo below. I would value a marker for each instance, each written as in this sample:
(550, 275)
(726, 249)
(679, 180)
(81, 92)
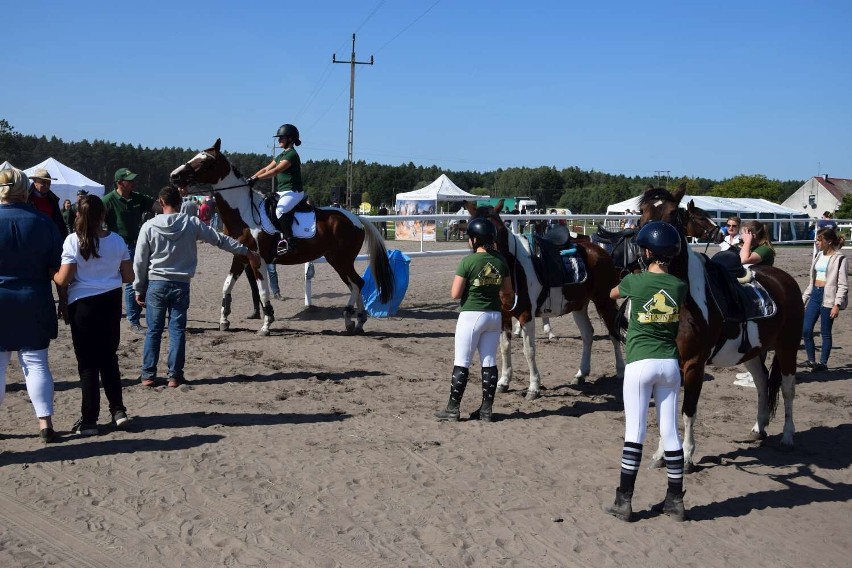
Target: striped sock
(674, 469)
(631, 457)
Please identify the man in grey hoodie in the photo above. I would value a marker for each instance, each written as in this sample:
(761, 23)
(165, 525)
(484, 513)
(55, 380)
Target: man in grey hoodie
(164, 263)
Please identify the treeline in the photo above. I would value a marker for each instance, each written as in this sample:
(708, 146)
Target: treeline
(572, 188)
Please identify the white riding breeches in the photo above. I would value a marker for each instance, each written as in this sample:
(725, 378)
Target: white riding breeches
(287, 201)
(477, 331)
(660, 377)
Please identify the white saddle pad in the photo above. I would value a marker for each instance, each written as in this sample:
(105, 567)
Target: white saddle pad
(304, 224)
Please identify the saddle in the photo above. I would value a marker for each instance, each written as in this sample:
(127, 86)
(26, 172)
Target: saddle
(557, 262)
(738, 295)
(621, 245)
(299, 219)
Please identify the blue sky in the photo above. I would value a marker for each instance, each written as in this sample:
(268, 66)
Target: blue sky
(711, 90)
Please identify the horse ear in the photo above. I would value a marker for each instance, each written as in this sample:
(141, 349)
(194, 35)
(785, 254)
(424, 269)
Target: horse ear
(690, 206)
(218, 144)
(498, 207)
(470, 206)
(679, 192)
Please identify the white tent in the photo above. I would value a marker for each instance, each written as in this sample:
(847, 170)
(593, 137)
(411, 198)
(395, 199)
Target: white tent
(442, 189)
(68, 182)
(724, 207)
(6, 166)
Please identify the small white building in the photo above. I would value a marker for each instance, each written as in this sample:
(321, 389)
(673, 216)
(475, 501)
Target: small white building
(818, 195)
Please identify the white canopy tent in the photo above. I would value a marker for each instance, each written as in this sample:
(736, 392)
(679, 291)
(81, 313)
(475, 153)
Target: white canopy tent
(743, 207)
(424, 201)
(442, 189)
(6, 166)
(68, 182)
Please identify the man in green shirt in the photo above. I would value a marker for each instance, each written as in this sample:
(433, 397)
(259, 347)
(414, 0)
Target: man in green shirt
(126, 210)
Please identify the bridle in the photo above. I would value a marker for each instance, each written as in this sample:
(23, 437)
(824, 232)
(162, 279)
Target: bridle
(205, 154)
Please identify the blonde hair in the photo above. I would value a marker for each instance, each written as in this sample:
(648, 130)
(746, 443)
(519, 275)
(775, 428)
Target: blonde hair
(760, 233)
(14, 186)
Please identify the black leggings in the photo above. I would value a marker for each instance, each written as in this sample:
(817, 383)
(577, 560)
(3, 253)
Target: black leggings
(95, 323)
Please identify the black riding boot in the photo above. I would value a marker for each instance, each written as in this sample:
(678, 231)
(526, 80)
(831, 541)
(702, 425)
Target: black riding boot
(287, 244)
(672, 506)
(489, 387)
(457, 387)
(622, 508)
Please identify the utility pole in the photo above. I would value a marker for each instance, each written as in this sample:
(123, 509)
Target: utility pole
(659, 174)
(352, 63)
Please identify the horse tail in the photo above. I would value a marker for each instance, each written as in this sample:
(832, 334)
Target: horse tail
(773, 386)
(379, 264)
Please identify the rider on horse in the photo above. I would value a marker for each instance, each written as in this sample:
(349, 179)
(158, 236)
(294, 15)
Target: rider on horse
(287, 170)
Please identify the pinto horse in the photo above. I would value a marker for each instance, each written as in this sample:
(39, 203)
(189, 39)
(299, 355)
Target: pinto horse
(573, 298)
(339, 236)
(702, 337)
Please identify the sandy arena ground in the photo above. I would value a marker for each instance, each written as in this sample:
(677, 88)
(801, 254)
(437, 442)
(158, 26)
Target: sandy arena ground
(313, 448)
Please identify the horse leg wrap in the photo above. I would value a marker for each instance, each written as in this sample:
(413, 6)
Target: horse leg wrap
(348, 311)
(268, 310)
(226, 304)
(362, 317)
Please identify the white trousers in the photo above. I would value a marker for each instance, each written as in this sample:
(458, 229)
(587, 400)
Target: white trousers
(660, 377)
(38, 378)
(287, 201)
(477, 331)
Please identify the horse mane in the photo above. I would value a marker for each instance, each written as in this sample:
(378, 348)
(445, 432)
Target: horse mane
(654, 194)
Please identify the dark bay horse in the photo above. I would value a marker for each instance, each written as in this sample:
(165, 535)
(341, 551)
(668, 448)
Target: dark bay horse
(338, 237)
(573, 298)
(702, 332)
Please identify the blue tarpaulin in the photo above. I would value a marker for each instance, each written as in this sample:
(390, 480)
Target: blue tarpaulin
(399, 267)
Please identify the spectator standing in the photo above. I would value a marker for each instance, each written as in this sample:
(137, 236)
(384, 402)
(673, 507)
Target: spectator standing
(732, 238)
(95, 262)
(205, 211)
(126, 210)
(827, 293)
(45, 200)
(68, 215)
(188, 205)
(383, 225)
(31, 245)
(164, 263)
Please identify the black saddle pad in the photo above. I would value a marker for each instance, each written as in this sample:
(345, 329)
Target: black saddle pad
(556, 266)
(738, 302)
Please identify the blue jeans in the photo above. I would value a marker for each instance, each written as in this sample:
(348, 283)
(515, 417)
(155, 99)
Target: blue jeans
(273, 279)
(134, 310)
(813, 312)
(163, 295)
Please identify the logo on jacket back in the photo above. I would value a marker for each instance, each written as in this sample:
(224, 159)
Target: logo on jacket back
(488, 275)
(661, 308)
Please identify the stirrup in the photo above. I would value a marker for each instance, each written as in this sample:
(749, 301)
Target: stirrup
(283, 246)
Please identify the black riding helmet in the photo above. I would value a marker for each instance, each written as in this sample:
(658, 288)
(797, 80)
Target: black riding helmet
(661, 238)
(289, 130)
(483, 229)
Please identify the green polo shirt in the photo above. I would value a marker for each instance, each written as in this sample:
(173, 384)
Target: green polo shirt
(291, 178)
(125, 216)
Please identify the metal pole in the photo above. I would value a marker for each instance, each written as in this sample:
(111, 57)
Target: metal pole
(352, 64)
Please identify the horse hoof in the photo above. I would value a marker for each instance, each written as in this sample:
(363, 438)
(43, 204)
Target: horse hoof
(689, 467)
(224, 326)
(657, 464)
(253, 316)
(552, 337)
(756, 436)
(532, 395)
(263, 332)
(577, 380)
(502, 388)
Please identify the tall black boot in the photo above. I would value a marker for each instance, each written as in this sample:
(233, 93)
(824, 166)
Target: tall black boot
(489, 387)
(457, 387)
(287, 244)
(672, 506)
(622, 508)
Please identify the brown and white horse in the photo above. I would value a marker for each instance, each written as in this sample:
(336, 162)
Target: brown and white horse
(701, 332)
(573, 298)
(338, 237)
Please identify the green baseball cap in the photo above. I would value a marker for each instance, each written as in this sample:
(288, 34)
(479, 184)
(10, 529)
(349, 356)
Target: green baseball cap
(123, 174)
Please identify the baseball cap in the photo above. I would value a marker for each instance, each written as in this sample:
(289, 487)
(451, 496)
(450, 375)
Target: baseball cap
(41, 173)
(123, 174)
(82, 192)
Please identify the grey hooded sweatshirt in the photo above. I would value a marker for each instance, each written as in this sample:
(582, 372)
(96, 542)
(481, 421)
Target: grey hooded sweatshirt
(166, 248)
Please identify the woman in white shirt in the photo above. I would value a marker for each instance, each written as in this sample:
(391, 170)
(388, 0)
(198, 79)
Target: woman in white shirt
(95, 263)
(732, 236)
